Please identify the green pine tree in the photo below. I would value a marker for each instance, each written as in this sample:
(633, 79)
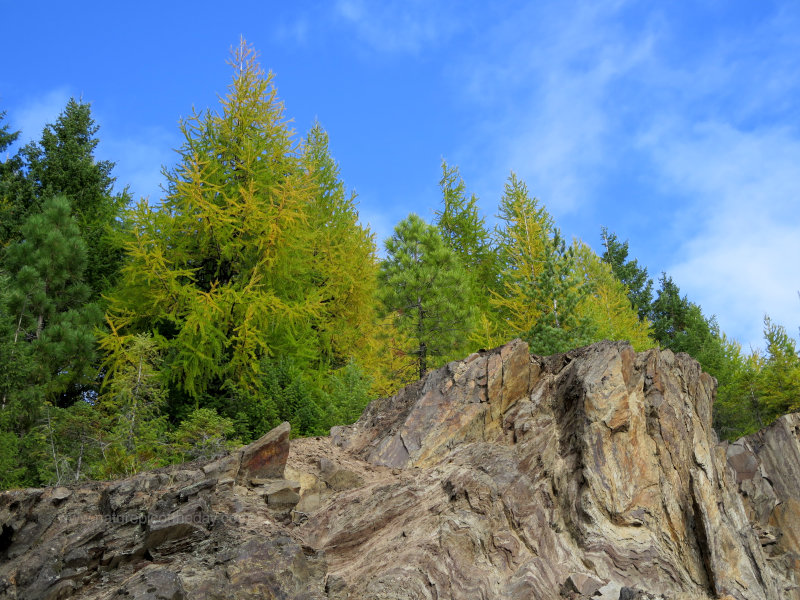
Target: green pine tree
(424, 286)
(47, 348)
(62, 163)
(47, 303)
(465, 232)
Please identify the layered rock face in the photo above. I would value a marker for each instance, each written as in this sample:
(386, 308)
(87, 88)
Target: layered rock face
(592, 474)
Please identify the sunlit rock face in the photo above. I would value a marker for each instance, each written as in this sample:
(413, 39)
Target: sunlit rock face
(592, 474)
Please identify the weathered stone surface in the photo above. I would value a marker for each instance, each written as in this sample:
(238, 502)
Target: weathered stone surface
(767, 470)
(266, 457)
(591, 474)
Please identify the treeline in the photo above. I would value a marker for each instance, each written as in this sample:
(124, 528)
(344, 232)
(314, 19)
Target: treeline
(133, 335)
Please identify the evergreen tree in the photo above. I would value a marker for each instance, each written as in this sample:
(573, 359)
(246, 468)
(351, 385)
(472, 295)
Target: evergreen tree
(634, 277)
(739, 409)
(425, 287)
(555, 295)
(465, 232)
(342, 256)
(542, 288)
(10, 174)
(47, 349)
(62, 163)
(780, 376)
(131, 406)
(47, 304)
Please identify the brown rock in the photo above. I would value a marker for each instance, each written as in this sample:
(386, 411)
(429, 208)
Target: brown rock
(266, 457)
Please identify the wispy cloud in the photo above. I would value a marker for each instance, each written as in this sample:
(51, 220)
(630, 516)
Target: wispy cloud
(31, 117)
(399, 26)
(139, 160)
(295, 31)
(546, 79)
(583, 95)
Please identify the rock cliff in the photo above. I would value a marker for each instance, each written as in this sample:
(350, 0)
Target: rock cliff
(592, 474)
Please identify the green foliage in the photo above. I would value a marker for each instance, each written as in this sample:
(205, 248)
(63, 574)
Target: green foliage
(780, 373)
(12, 472)
(349, 390)
(634, 277)
(62, 163)
(134, 427)
(204, 435)
(341, 256)
(521, 238)
(465, 232)
(555, 295)
(607, 305)
(760, 387)
(424, 286)
(542, 288)
(46, 301)
(254, 276)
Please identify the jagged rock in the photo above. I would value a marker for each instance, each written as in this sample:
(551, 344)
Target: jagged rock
(767, 469)
(591, 474)
(266, 457)
(583, 585)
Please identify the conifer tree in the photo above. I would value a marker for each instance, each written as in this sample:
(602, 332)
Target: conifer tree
(780, 376)
(62, 163)
(342, 255)
(47, 303)
(634, 277)
(10, 173)
(219, 269)
(555, 295)
(465, 232)
(521, 241)
(542, 288)
(254, 259)
(425, 287)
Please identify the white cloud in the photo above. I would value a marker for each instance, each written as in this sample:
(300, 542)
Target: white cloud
(741, 262)
(399, 26)
(31, 117)
(546, 80)
(139, 160)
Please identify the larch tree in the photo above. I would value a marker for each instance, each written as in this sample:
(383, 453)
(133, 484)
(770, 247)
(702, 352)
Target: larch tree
(542, 288)
(254, 259)
(344, 265)
(607, 305)
(426, 289)
(522, 232)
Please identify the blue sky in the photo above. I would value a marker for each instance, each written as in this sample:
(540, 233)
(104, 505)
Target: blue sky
(674, 124)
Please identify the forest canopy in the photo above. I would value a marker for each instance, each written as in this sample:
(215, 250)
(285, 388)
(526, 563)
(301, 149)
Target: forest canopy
(138, 334)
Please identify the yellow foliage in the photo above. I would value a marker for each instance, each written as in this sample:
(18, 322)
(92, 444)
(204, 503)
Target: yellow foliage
(607, 306)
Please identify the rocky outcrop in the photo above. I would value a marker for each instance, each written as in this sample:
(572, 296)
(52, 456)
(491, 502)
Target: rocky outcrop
(767, 471)
(592, 474)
